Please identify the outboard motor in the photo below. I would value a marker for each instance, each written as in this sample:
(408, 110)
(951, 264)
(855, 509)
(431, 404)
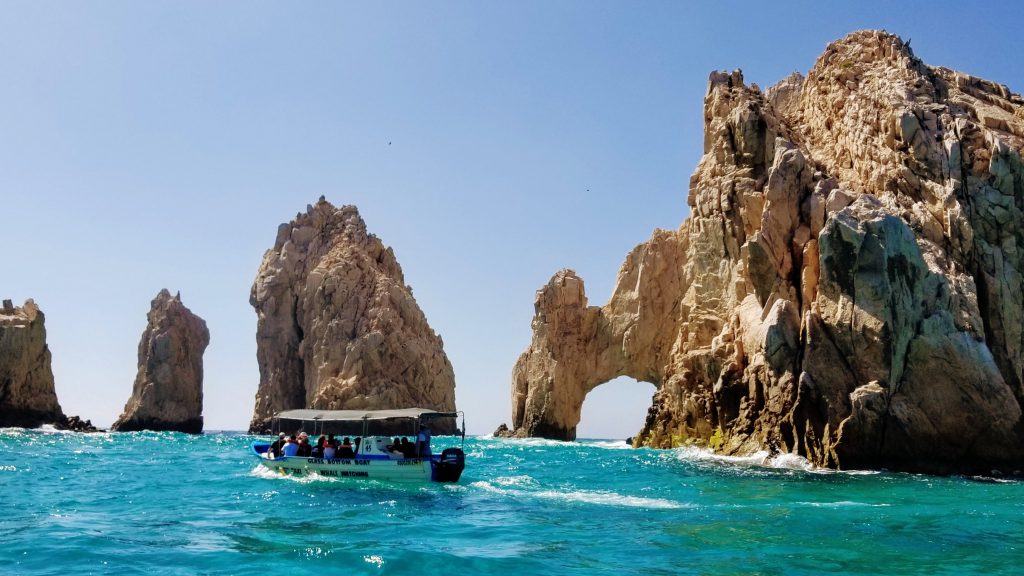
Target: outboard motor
(449, 467)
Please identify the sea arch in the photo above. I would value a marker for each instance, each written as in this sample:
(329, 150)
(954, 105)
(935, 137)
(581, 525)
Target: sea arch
(576, 347)
(616, 409)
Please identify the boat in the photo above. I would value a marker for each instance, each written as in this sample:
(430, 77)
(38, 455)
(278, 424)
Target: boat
(372, 459)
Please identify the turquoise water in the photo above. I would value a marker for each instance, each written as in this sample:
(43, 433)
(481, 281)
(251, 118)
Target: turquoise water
(166, 503)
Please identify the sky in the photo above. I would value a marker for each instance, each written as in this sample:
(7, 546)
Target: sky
(149, 145)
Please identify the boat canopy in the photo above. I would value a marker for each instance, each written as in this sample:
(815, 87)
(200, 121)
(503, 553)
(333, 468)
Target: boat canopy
(361, 415)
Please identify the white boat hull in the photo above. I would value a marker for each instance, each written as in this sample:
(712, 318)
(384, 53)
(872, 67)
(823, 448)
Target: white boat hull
(392, 470)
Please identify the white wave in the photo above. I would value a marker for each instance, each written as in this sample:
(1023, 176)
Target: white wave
(609, 444)
(523, 480)
(762, 459)
(842, 504)
(535, 442)
(604, 498)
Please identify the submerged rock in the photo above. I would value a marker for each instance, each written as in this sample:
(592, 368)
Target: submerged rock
(27, 395)
(847, 286)
(168, 390)
(337, 326)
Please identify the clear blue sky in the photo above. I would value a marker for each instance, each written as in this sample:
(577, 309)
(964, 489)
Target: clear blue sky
(146, 145)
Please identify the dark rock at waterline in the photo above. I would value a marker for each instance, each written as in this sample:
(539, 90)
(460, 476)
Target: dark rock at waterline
(76, 424)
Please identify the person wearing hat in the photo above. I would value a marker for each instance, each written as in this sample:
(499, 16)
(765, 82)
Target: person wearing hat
(305, 450)
(275, 448)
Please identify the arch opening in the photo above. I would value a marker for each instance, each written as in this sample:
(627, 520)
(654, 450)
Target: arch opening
(615, 410)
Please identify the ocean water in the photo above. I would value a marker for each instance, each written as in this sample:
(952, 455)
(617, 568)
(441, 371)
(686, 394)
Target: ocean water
(167, 503)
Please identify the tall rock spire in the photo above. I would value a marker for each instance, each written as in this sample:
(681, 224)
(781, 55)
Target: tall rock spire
(168, 390)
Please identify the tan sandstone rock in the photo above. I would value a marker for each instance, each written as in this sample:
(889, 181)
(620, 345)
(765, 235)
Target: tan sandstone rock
(168, 390)
(27, 395)
(338, 328)
(847, 287)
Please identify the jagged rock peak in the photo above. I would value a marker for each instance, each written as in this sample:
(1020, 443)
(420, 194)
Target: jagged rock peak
(849, 285)
(27, 395)
(168, 390)
(337, 326)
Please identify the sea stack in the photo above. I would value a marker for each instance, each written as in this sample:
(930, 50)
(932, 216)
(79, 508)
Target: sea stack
(168, 390)
(338, 328)
(847, 286)
(27, 395)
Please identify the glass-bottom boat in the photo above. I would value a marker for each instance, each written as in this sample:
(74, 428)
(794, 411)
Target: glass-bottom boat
(374, 455)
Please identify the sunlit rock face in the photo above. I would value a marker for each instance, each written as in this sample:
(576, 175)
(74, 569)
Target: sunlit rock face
(847, 286)
(338, 328)
(27, 395)
(168, 390)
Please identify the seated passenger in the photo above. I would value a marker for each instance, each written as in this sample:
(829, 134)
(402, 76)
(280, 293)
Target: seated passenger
(329, 451)
(408, 448)
(305, 450)
(395, 449)
(275, 449)
(318, 450)
(346, 449)
(292, 447)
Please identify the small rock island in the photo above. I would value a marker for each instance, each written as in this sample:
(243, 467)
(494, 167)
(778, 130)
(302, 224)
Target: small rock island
(338, 327)
(168, 390)
(27, 395)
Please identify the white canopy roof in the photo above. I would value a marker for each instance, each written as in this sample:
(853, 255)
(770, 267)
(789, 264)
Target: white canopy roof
(360, 415)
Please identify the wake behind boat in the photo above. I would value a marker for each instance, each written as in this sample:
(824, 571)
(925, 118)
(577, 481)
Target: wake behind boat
(372, 456)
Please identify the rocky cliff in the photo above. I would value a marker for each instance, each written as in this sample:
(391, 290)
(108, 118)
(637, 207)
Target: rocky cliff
(168, 389)
(27, 395)
(847, 286)
(338, 328)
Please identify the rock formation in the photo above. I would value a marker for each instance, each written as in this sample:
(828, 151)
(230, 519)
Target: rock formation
(168, 390)
(338, 328)
(847, 286)
(27, 396)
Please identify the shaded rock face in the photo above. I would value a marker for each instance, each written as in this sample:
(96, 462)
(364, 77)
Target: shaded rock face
(847, 287)
(338, 328)
(27, 395)
(168, 390)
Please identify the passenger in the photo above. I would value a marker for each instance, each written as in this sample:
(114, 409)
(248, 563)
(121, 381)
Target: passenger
(275, 448)
(292, 447)
(331, 441)
(408, 448)
(395, 449)
(358, 442)
(346, 449)
(423, 443)
(329, 450)
(318, 450)
(305, 450)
